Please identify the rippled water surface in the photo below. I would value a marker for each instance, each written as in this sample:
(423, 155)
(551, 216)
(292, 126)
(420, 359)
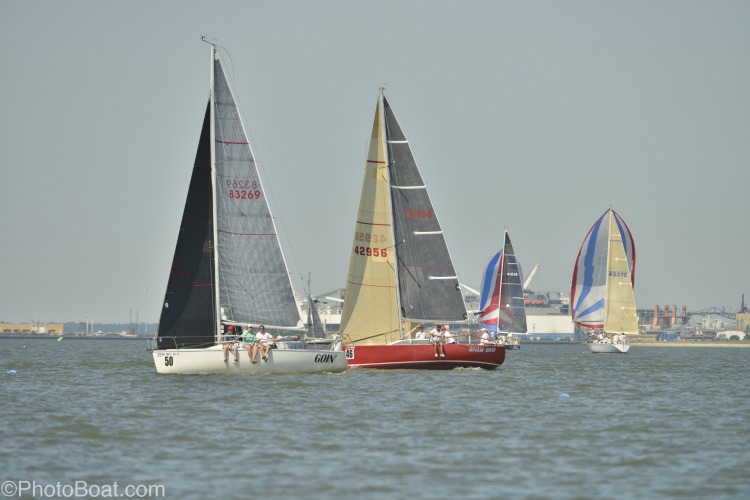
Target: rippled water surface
(552, 422)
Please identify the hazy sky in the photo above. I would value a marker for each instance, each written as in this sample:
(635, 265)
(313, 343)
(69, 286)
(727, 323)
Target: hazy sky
(531, 115)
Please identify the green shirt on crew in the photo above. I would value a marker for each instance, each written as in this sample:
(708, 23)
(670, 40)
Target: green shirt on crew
(248, 337)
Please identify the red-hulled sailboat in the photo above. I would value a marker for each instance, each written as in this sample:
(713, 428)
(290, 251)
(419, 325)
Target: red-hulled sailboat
(400, 271)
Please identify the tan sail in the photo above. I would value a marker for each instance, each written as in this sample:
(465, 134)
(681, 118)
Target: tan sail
(370, 314)
(620, 313)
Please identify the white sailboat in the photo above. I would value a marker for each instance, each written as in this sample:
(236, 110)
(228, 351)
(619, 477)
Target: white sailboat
(601, 299)
(317, 335)
(228, 268)
(400, 271)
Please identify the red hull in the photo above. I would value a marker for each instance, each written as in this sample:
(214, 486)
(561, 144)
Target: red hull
(422, 356)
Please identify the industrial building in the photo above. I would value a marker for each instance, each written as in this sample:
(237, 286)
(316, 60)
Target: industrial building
(32, 328)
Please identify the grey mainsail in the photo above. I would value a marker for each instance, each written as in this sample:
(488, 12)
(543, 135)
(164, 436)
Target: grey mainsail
(254, 284)
(512, 310)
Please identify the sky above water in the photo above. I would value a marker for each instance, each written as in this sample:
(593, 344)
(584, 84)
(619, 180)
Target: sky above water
(534, 116)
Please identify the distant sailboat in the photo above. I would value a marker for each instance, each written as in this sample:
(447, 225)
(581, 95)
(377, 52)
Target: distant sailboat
(601, 297)
(501, 302)
(228, 270)
(317, 336)
(316, 329)
(400, 271)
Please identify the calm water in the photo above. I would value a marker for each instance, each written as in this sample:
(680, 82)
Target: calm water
(659, 422)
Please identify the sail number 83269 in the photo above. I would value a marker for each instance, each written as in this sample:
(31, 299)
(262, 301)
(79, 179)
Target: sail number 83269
(242, 189)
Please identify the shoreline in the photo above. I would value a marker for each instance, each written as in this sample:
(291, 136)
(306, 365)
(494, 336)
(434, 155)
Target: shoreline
(69, 337)
(677, 343)
(648, 343)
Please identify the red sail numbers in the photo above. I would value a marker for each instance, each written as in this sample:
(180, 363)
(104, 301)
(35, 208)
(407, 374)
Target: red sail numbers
(243, 189)
(418, 214)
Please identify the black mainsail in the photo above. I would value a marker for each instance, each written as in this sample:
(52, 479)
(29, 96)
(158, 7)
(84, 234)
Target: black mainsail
(190, 289)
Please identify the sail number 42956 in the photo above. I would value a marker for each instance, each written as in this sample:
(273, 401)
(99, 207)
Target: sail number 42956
(371, 252)
(418, 214)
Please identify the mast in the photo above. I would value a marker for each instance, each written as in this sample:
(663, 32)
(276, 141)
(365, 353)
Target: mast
(309, 308)
(500, 284)
(607, 277)
(390, 160)
(215, 249)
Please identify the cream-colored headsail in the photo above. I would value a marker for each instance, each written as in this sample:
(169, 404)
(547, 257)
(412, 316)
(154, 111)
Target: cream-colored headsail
(620, 313)
(370, 313)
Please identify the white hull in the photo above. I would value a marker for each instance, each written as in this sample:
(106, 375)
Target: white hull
(609, 348)
(280, 361)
